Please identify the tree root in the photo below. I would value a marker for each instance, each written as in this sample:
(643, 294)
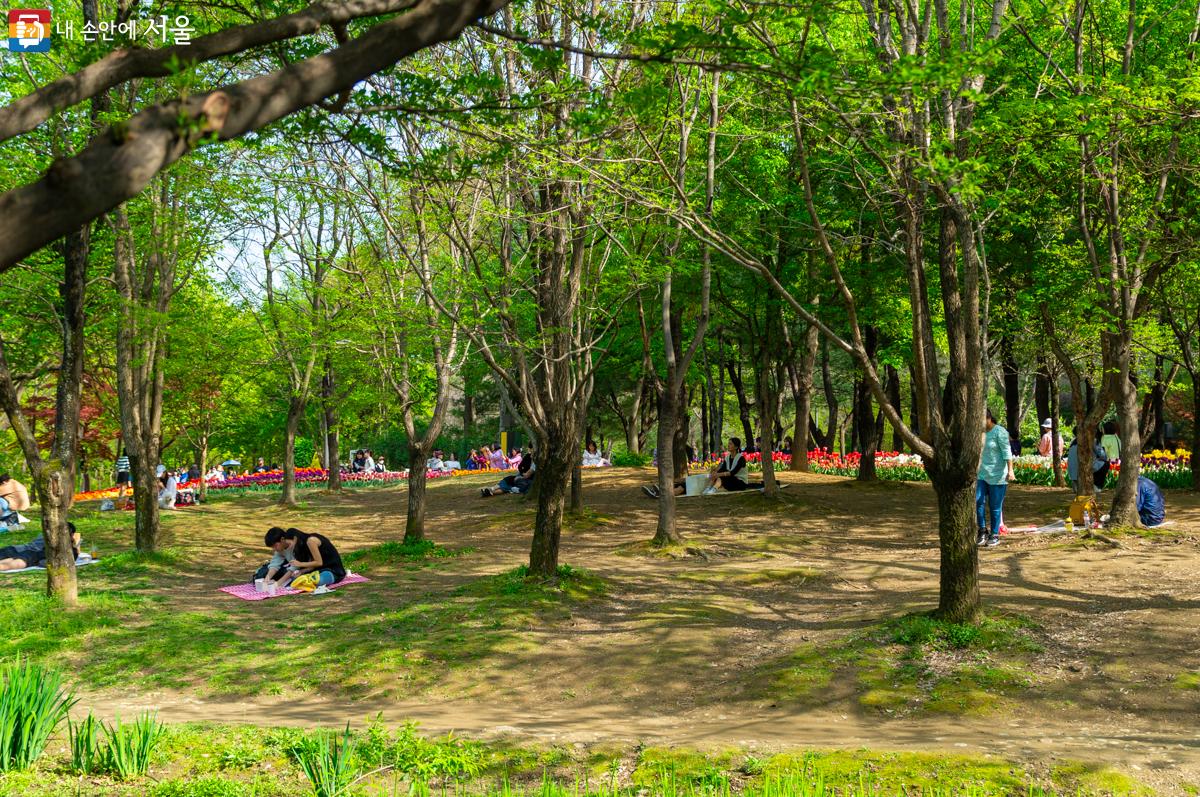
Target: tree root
(1095, 535)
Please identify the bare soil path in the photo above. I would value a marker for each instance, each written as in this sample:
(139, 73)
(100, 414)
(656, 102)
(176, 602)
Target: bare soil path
(677, 651)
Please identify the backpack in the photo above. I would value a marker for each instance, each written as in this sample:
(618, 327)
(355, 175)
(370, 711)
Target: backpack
(1081, 503)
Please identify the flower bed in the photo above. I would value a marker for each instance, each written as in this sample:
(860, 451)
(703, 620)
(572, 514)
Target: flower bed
(1167, 469)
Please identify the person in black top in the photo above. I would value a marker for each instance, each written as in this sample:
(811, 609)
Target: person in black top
(314, 552)
(518, 484)
(33, 553)
(730, 471)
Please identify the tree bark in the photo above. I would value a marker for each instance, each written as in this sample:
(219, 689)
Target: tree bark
(414, 524)
(553, 476)
(1195, 432)
(739, 388)
(1124, 506)
(1041, 391)
(665, 532)
(295, 412)
(1012, 391)
(958, 599)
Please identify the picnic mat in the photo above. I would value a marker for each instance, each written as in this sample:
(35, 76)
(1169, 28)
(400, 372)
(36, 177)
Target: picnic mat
(750, 491)
(84, 559)
(246, 591)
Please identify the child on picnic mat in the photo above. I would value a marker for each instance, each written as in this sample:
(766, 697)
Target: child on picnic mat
(281, 556)
(33, 553)
(313, 553)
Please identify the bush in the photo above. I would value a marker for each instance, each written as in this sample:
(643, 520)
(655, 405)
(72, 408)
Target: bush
(33, 703)
(628, 459)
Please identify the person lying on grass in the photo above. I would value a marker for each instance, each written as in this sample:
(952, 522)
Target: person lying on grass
(281, 556)
(313, 553)
(33, 553)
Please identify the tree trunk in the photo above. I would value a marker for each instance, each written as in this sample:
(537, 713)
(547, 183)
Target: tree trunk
(148, 524)
(1124, 507)
(1012, 392)
(553, 475)
(333, 473)
(958, 600)
(665, 533)
(577, 486)
(414, 525)
(1056, 453)
(893, 376)
(682, 426)
(202, 461)
(1041, 391)
(333, 479)
(295, 411)
(766, 454)
(739, 389)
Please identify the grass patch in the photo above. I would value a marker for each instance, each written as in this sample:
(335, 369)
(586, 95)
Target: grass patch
(206, 760)
(1084, 778)
(393, 553)
(1188, 680)
(914, 663)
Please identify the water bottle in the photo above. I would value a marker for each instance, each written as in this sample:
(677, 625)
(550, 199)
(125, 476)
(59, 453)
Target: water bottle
(1087, 520)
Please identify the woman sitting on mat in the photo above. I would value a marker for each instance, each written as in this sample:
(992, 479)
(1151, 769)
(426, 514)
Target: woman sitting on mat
(730, 472)
(313, 553)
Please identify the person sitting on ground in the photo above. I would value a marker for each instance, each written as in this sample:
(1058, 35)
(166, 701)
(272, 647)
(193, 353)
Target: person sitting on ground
(193, 472)
(1045, 445)
(369, 462)
(359, 463)
(435, 461)
(517, 483)
(168, 491)
(473, 460)
(786, 448)
(1100, 464)
(1151, 508)
(496, 458)
(1111, 442)
(730, 472)
(217, 474)
(13, 498)
(33, 553)
(313, 553)
(260, 466)
(380, 465)
(451, 463)
(282, 556)
(592, 458)
(679, 485)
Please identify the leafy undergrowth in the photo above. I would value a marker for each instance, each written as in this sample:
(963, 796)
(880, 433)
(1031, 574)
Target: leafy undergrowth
(201, 760)
(916, 663)
(393, 553)
(123, 638)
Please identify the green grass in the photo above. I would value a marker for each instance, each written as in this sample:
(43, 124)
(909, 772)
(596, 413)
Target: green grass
(205, 760)
(395, 553)
(121, 637)
(913, 663)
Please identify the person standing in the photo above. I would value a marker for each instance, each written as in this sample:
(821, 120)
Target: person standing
(124, 480)
(992, 478)
(1046, 443)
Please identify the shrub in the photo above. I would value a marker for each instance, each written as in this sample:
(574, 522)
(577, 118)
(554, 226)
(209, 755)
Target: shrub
(628, 459)
(33, 703)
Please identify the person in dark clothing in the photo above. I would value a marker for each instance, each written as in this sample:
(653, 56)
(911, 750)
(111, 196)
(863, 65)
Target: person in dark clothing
(1151, 508)
(518, 483)
(313, 553)
(32, 553)
(730, 471)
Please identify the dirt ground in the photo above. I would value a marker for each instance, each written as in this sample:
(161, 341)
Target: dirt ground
(671, 654)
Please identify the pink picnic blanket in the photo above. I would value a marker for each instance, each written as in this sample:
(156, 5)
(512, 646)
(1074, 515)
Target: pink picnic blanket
(246, 591)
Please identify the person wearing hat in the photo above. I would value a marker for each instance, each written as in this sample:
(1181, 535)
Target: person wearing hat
(1046, 444)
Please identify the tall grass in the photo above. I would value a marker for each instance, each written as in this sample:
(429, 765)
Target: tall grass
(329, 765)
(85, 744)
(33, 703)
(128, 746)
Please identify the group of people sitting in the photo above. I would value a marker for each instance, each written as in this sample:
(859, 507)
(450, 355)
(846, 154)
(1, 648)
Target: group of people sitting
(517, 483)
(439, 462)
(364, 462)
(295, 553)
(729, 474)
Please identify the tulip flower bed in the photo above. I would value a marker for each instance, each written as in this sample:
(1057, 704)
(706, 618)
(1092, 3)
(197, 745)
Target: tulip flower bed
(1167, 469)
